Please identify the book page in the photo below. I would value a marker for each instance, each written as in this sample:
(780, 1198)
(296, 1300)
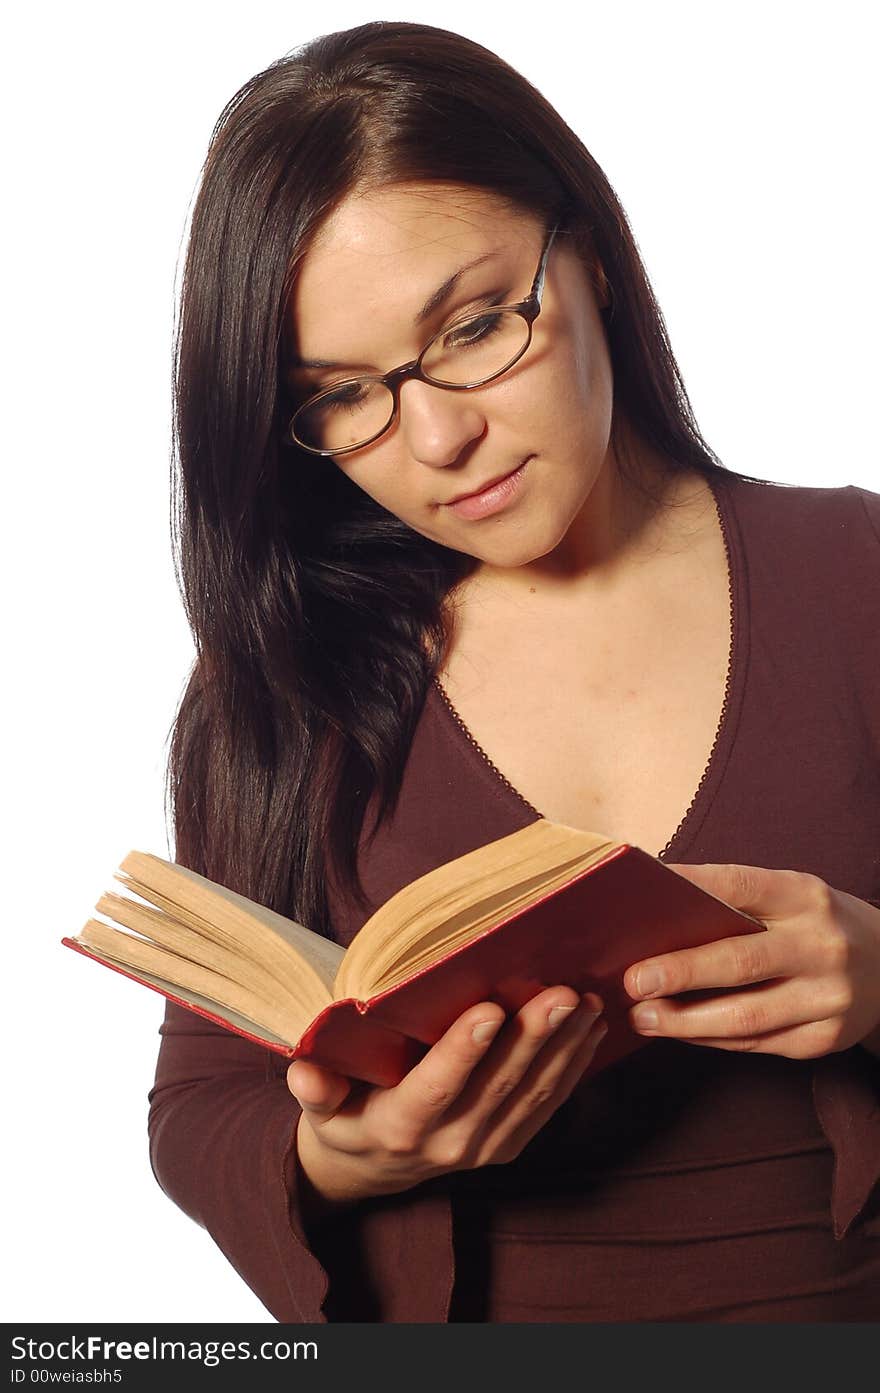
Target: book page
(454, 902)
(191, 998)
(139, 957)
(284, 947)
(157, 926)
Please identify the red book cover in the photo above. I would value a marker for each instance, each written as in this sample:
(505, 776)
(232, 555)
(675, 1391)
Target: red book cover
(585, 934)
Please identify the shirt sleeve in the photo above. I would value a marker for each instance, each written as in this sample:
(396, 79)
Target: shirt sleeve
(222, 1126)
(871, 504)
(846, 1085)
(846, 1092)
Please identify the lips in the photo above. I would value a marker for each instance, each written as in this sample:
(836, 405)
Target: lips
(493, 498)
(490, 483)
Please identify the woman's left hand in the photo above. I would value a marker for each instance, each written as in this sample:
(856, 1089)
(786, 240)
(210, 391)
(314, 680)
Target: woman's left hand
(812, 981)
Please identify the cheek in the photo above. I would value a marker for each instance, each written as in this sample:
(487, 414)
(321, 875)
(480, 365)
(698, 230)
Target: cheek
(589, 379)
(568, 404)
(384, 480)
(377, 477)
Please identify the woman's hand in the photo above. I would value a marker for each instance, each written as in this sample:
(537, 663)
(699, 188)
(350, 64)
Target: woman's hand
(475, 1099)
(811, 982)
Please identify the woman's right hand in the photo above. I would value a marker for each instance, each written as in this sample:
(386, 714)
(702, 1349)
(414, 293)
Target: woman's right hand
(468, 1102)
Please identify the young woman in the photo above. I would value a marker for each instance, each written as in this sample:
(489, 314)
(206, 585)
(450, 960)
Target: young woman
(455, 555)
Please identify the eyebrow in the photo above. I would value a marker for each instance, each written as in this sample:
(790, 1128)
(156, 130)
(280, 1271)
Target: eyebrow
(433, 302)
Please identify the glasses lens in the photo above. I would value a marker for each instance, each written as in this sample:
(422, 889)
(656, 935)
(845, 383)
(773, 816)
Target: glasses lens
(476, 348)
(345, 417)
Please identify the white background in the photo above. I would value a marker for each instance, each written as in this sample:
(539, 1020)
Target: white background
(741, 140)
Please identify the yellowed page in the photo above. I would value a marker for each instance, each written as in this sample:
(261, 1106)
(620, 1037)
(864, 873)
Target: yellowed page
(460, 899)
(156, 926)
(282, 947)
(234, 1018)
(138, 955)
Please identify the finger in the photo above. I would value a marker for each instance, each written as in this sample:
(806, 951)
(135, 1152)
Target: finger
(539, 1097)
(728, 962)
(434, 1083)
(802, 1042)
(738, 1015)
(764, 893)
(533, 1047)
(319, 1091)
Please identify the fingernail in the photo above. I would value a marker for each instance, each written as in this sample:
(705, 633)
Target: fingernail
(645, 1018)
(650, 980)
(559, 1014)
(483, 1032)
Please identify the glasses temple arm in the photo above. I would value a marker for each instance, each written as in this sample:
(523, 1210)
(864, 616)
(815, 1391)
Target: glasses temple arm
(538, 283)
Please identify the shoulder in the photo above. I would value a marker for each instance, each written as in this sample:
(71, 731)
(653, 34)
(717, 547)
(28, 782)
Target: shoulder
(836, 530)
(807, 565)
(870, 502)
(779, 503)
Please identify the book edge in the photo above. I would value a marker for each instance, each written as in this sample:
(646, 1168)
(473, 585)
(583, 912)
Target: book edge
(286, 1050)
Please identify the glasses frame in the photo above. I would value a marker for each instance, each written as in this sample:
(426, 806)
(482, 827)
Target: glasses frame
(528, 309)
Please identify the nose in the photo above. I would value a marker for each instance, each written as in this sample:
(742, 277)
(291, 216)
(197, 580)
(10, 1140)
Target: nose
(438, 424)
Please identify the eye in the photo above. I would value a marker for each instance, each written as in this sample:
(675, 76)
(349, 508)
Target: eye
(473, 331)
(349, 396)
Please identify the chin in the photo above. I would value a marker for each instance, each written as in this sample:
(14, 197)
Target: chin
(510, 550)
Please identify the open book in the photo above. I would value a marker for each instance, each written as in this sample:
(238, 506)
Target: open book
(547, 905)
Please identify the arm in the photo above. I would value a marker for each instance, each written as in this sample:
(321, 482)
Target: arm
(222, 1128)
(336, 1205)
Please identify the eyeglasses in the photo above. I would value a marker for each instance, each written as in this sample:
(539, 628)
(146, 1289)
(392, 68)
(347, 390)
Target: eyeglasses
(465, 354)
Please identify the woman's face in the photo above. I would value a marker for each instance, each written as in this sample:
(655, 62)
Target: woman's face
(370, 271)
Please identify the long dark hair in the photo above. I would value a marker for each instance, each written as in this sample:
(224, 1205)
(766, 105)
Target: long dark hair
(319, 618)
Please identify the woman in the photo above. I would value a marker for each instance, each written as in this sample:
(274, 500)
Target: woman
(514, 554)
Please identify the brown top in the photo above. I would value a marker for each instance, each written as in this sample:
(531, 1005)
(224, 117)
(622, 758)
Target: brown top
(684, 1183)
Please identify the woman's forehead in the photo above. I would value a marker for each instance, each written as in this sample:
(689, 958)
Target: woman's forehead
(406, 217)
(387, 250)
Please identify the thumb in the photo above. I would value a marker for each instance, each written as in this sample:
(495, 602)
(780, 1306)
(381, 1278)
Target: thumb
(319, 1091)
